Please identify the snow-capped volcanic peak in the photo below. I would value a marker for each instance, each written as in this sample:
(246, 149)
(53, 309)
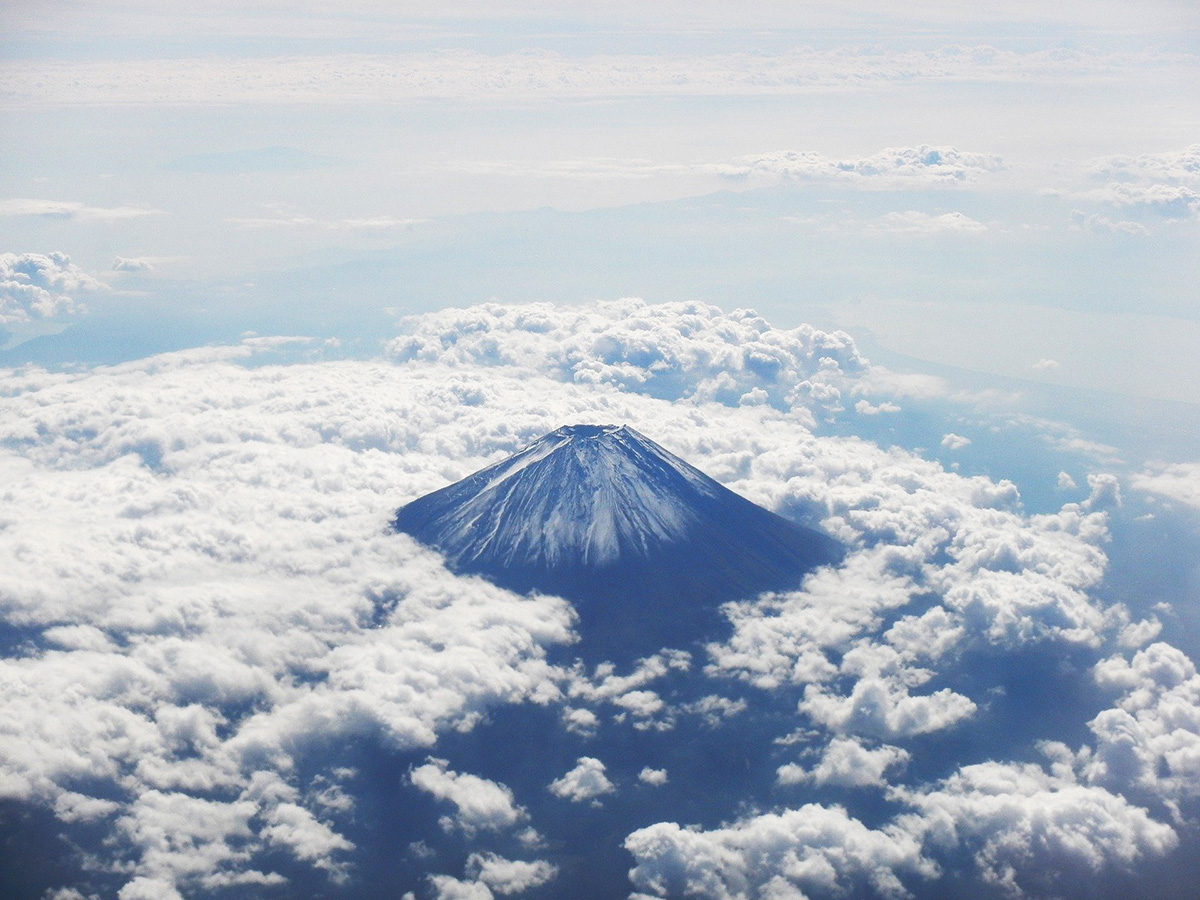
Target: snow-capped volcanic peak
(646, 547)
(582, 495)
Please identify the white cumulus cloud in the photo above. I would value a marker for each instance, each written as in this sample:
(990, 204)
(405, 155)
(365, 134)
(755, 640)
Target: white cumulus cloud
(41, 286)
(1174, 481)
(586, 781)
(790, 854)
(480, 803)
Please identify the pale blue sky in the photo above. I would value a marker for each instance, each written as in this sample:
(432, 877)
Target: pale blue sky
(221, 146)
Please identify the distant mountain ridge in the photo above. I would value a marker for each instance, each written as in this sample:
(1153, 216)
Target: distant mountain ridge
(645, 545)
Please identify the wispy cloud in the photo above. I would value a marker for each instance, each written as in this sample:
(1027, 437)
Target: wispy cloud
(73, 210)
(918, 222)
(366, 223)
(467, 74)
(893, 167)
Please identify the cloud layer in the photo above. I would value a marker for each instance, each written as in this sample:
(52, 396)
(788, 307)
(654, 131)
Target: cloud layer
(466, 74)
(202, 594)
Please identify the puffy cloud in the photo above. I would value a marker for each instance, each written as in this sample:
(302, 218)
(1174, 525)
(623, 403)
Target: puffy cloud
(73, 210)
(1030, 830)
(1165, 199)
(955, 441)
(481, 804)
(509, 876)
(881, 706)
(1178, 166)
(165, 685)
(866, 408)
(655, 777)
(669, 351)
(813, 850)
(447, 887)
(586, 781)
(846, 762)
(488, 874)
(1174, 481)
(1002, 579)
(1163, 183)
(627, 692)
(580, 721)
(39, 286)
(1150, 740)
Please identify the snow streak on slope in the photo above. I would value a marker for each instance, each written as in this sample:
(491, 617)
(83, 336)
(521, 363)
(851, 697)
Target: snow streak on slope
(582, 495)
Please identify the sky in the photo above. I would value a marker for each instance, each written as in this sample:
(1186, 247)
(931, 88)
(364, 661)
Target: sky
(923, 277)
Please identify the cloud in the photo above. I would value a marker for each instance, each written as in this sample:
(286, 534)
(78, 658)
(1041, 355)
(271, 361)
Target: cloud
(199, 552)
(133, 264)
(489, 874)
(1174, 166)
(400, 78)
(196, 683)
(917, 222)
(39, 286)
(508, 876)
(1150, 740)
(891, 168)
(628, 693)
(73, 210)
(671, 351)
(1174, 201)
(1164, 184)
(586, 781)
(1179, 482)
(881, 706)
(1006, 580)
(654, 777)
(369, 223)
(866, 408)
(481, 804)
(813, 850)
(447, 887)
(1033, 832)
(894, 166)
(955, 441)
(1081, 221)
(846, 762)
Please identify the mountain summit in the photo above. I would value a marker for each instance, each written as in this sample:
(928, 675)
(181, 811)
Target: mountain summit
(645, 545)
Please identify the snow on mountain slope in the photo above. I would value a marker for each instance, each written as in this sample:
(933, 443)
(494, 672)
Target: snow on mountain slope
(647, 546)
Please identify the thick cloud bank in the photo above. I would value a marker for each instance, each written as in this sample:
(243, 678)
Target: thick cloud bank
(201, 597)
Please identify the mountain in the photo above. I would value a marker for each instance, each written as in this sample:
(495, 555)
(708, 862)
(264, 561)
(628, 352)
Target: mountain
(646, 546)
